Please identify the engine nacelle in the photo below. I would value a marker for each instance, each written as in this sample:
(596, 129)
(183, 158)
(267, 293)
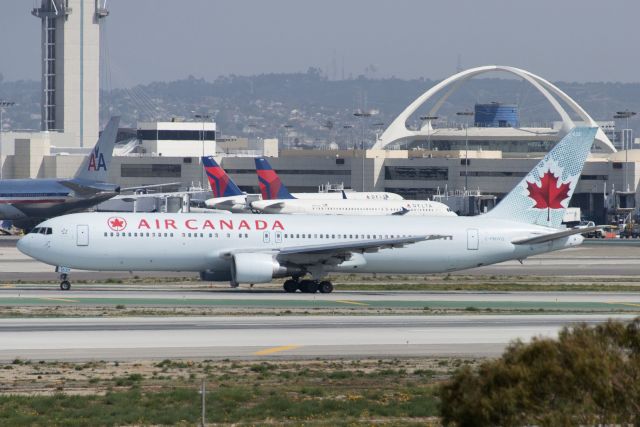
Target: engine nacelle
(257, 268)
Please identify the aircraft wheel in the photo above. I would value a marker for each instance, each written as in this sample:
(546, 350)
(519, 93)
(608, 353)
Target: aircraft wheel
(326, 287)
(305, 286)
(290, 286)
(313, 286)
(65, 285)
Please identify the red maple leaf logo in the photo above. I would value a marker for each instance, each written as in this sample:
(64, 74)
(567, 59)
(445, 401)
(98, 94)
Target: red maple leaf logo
(548, 195)
(117, 223)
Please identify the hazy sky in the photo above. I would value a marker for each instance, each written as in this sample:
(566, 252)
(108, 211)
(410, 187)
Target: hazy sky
(149, 40)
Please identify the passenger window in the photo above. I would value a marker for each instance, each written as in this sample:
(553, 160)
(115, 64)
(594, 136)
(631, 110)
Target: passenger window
(105, 234)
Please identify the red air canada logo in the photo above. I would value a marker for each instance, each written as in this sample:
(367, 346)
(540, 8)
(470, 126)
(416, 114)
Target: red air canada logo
(117, 223)
(550, 193)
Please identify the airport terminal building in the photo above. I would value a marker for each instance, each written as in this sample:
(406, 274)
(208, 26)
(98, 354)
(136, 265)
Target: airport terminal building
(489, 151)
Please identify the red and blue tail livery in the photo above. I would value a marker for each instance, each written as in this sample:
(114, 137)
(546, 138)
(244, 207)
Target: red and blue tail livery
(271, 186)
(221, 184)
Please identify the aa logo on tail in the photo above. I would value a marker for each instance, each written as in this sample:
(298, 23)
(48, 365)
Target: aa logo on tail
(96, 160)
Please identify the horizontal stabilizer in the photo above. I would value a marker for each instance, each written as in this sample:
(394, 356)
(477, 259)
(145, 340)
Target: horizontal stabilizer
(553, 236)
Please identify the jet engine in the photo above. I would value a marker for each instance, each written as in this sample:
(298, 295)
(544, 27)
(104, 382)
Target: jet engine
(258, 268)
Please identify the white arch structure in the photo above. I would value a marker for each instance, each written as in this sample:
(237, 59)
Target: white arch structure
(397, 131)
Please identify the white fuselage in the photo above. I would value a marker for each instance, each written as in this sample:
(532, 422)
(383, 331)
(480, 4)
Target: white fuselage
(199, 242)
(238, 204)
(353, 207)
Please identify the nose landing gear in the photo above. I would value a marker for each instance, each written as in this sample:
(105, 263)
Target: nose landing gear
(65, 285)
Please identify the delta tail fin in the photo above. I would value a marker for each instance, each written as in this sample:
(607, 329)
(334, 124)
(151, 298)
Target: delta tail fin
(221, 184)
(95, 167)
(271, 186)
(543, 195)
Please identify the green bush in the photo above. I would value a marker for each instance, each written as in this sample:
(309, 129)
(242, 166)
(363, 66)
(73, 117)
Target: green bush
(588, 376)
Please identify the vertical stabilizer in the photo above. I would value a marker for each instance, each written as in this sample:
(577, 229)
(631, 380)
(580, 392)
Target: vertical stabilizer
(271, 186)
(95, 167)
(221, 184)
(543, 195)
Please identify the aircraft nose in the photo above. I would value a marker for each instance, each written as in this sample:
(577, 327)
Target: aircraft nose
(24, 245)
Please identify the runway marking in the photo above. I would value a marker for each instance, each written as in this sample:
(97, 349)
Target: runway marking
(624, 303)
(275, 350)
(59, 299)
(344, 301)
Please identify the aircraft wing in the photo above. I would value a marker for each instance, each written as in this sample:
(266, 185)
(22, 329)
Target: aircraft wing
(277, 205)
(543, 238)
(79, 189)
(225, 204)
(142, 187)
(336, 253)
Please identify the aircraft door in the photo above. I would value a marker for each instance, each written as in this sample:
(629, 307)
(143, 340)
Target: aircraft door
(266, 238)
(82, 235)
(473, 240)
(278, 237)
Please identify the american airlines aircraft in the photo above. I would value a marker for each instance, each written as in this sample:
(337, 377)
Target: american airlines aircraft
(276, 199)
(28, 201)
(256, 249)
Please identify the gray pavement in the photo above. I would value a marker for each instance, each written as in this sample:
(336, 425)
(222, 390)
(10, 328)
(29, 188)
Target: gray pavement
(273, 336)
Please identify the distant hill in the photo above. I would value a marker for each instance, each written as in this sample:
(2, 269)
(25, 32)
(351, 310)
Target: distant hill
(318, 109)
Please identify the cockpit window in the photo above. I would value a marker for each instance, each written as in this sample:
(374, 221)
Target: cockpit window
(42, 230)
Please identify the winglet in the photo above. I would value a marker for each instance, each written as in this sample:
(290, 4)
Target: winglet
(543, 195)
(271, 186)
(95, 167)
(221, 184)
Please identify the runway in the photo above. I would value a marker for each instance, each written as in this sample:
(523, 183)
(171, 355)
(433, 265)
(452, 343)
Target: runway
(273, 336)
(594, 258)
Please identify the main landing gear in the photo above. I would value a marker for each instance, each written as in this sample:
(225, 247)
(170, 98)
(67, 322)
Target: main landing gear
(308, 286)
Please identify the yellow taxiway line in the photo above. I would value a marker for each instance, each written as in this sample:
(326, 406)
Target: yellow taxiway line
(630, 304)
(275, 350)
(59, 299)
(344, 301)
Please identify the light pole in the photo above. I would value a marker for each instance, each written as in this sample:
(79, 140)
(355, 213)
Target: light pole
(350, 127)
(428, 119)
(364, 115)
(626, 139)
(466, 146)
(202, 117)
(287, 128)
(3, 105)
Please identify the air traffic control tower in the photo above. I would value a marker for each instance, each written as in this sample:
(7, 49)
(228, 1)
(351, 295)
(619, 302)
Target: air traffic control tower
(71, 68)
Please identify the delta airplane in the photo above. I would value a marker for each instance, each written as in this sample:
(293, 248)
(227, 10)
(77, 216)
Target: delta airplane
(28, 201)
(228, 196)
(272, 188)
(256, 249)
(278, 200)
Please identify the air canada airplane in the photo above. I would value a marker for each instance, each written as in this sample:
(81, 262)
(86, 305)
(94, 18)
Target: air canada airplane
(256, 249)
(276, 199)
(28, 201)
